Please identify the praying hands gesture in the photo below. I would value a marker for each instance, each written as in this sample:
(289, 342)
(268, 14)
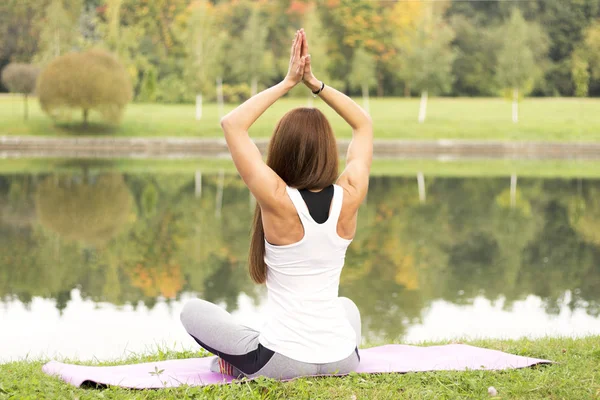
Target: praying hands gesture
(300, 68)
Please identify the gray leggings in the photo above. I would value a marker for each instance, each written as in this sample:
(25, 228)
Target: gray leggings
(241, 354)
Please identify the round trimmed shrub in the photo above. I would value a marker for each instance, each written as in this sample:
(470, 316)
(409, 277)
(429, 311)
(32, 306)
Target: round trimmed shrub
(94, 80)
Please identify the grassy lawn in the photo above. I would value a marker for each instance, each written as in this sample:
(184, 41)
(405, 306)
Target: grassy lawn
(575, 376)
(430, 168)
(561, 119)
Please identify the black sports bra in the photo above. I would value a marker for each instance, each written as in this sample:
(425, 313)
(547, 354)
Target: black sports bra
(318, 203)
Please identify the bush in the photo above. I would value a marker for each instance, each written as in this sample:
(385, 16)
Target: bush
(94, 80)
(20, 78)
(172, 89)
(236, 93)
(148, 86)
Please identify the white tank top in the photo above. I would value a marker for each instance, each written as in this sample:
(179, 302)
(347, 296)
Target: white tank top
(305, 320)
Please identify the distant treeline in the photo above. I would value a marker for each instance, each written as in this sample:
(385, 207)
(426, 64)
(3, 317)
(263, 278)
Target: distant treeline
(177, 49)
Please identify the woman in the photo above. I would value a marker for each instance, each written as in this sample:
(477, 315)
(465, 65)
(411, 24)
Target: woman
(303, 225)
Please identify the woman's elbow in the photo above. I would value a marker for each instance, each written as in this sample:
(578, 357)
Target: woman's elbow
(225, 124)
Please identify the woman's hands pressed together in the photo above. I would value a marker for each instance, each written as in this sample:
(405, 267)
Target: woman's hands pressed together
(297, 60)
(308, 78)
(300, 63)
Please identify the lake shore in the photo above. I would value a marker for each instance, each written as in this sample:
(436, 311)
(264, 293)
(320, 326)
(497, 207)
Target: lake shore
(181, 148)
(574, 376)
(432, 168)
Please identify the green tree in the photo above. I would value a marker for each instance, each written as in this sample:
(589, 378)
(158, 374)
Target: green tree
(20, 78)
(19, 29)
(403, 20)
(580, 74)
(316, 35)
(426, 61)
(565, 23)
(253, 62)
(347, 24)
(363, 74)
(205, 50)
(58, 32)
(148, 86)
(282, 17)
(475, 61)
(524, 46)
(592, 48)
(94, 80)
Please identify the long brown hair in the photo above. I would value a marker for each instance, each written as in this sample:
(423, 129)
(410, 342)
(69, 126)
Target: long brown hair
(303, 152)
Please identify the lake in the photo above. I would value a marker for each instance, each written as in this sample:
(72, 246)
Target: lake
(97, 261)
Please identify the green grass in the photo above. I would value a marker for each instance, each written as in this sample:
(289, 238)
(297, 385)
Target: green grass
(576, 375)
(560, 119)
(430, 168)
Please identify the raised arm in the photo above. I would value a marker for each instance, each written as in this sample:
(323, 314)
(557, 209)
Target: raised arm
(355, 178)
(262, 181)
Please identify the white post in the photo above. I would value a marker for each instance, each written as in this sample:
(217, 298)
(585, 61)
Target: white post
(198, 183)
(219, 199)
(513, 190)
(365, 94)
(515, 106)
(423, 107)
(421, 184)
(220, 96)
(198, 107)
(254, 86)
(311, 101)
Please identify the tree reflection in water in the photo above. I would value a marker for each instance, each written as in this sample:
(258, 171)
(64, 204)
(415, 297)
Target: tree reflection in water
(136, 238)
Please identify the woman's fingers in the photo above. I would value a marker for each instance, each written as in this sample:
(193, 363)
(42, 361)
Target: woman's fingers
(304, 43)
(294, 44)
(303, 37)
(298, 44)
(300, 70)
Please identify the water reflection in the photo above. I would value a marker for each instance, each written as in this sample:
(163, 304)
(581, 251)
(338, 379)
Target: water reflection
(135, 240)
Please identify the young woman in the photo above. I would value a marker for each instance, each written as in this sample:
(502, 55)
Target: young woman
(304, 221)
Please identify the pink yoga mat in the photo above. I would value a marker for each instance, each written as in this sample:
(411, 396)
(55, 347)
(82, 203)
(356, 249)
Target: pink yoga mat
(383, 359)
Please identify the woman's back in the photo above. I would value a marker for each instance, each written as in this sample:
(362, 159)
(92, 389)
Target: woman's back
(305, 319)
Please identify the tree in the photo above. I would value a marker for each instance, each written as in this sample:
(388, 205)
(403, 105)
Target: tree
(205, 50)
(94, 80)
(148, 86)
(523, 48)
(348, 24)
(19, 29)
(565, 23)
(580, 74)
(402, 21)
(426, 61)
(316, 33)
(592, 48)
(475, 61)
(363, 74)
(58, 32)
(253, 61)
(20, 78)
